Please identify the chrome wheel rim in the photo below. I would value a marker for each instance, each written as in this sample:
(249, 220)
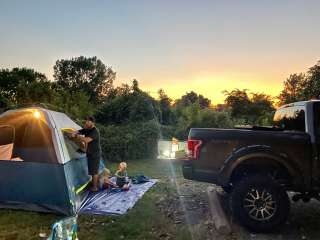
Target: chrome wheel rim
(259, 204)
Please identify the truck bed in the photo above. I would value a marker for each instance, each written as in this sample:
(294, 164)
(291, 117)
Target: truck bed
(220, 145)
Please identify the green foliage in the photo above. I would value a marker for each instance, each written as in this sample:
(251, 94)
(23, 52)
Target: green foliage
(167, 116)
(213, 119)
(34, 93)
(84, 74)
(129, 141)
(4, 103)
(253, 109)
(129, 123)
(129, 104)
(261, 109)
(167, 131)
(195, 117)
(24, 86)
(238, 101)
(75, 104)
(311, 84)
(192, 98)
(301, 87)
(292, 89)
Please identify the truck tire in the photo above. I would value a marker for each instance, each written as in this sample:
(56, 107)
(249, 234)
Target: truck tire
(227, 189)
(259, 203)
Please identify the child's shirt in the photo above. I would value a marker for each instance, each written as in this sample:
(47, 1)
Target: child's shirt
(121, 177)
(121, 174)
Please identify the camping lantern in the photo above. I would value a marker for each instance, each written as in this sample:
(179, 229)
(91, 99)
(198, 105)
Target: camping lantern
(36, 114)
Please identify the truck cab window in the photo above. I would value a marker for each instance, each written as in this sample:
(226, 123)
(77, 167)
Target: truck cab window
(290, 118)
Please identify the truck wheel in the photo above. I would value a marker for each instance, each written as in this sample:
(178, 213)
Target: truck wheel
(227, 189)
(259, 203)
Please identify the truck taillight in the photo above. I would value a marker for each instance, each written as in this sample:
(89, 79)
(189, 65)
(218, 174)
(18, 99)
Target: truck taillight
(194, 148)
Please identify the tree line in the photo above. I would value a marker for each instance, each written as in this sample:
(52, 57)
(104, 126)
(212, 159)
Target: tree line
(130, 120)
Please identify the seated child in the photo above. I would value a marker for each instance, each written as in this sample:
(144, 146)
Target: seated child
(122, 176)
(104, 180)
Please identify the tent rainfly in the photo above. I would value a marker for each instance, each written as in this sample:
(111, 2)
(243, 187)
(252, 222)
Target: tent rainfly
(41, 169)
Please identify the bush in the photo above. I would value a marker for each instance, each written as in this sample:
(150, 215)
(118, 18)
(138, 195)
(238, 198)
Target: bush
(4, 103)
(167, 132)
(195, 117)
(129, 141)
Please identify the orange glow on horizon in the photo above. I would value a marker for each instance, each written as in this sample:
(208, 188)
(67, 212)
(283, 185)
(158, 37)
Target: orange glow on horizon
(212, 86)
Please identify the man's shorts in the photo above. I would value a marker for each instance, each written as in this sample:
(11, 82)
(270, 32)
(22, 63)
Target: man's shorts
(93, 164)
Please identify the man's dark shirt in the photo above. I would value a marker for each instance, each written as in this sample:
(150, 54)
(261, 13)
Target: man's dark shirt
(93, 148)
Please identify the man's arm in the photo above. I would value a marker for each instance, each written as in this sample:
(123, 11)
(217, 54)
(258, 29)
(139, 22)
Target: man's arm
(84, 139)
(81, 131)
(77, 134)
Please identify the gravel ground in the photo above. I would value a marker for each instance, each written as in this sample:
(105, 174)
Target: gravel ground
(188, 206)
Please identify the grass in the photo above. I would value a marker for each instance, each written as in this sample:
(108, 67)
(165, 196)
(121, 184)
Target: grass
(144, 221)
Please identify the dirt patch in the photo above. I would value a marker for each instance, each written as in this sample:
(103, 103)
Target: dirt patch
(189, 206)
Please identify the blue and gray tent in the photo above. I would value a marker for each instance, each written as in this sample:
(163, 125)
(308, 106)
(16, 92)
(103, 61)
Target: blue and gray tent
(41, 169)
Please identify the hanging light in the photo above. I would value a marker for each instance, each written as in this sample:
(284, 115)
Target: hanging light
(36, 114)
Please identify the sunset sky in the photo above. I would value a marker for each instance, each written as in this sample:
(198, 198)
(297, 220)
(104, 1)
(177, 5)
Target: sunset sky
(205, 46)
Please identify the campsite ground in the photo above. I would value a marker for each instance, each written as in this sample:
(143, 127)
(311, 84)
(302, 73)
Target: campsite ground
(174, 209)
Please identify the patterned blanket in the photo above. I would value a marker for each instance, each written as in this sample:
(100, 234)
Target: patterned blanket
(115, 201)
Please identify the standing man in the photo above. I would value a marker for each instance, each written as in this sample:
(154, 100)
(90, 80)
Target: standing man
(91, 137)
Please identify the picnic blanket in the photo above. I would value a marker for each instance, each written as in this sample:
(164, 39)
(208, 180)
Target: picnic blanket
(115, 201)
(107, 202)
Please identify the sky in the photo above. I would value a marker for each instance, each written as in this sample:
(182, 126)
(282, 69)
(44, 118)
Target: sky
(179, 46)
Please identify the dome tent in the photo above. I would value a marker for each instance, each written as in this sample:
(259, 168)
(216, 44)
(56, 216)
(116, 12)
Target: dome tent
(40, 168)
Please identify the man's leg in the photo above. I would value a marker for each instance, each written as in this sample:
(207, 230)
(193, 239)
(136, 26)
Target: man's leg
(95, 180)
(93, 168)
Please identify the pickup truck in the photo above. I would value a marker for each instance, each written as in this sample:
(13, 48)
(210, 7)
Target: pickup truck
(259, 165)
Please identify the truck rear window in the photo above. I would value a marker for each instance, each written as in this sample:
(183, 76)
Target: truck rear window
(290, 118)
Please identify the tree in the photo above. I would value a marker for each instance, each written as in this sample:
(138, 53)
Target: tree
(195, 117)
(130, 104)
(75, 104)
(292, 89)
(4, 103)
(88, 75)
(191, 98)
(261, 102)
(204, 102)
(165, 108)
(256, 108)
(302, 87)
(238, 101)
(261, 109)
(135, 86)
(311, 84)
(24, 86)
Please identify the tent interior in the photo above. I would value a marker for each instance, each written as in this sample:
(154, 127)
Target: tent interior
(28, 136)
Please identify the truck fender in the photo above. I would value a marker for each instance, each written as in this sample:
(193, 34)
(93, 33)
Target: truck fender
(252, 152)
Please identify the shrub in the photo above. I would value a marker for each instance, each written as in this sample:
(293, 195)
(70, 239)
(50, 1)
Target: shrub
(195, 117)
(129, 141)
